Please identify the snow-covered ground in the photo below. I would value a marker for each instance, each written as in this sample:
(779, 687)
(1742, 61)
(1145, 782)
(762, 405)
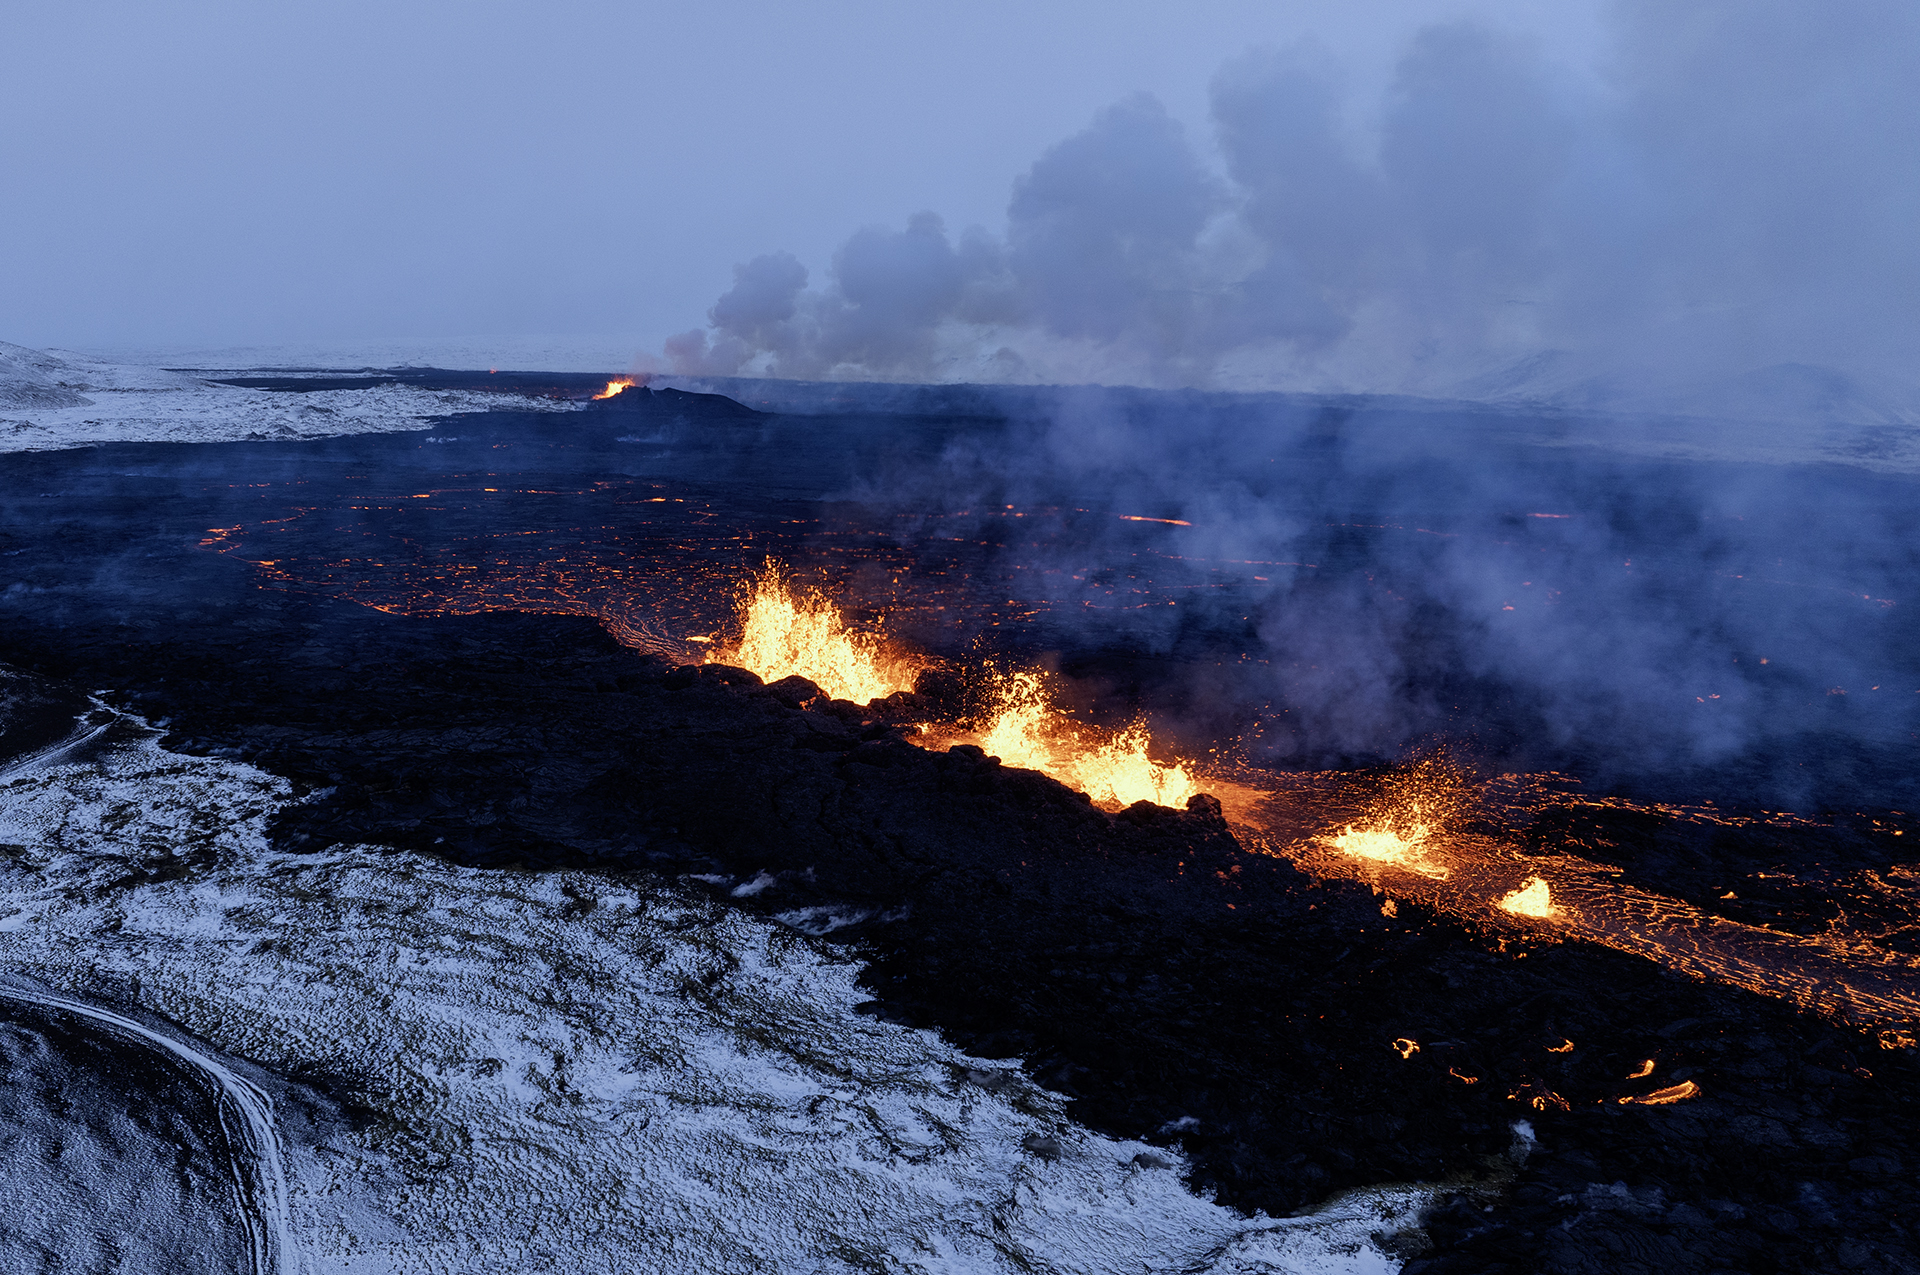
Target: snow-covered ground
(1789, 415)
(52, 399)
(578, 1071)
(606, 352)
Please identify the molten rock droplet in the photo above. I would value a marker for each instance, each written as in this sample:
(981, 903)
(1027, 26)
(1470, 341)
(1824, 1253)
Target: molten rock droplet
(1531, 899)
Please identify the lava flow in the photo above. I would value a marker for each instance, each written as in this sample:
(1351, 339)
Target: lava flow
(614, 387)
(653, 577)
(786, 633)
(1436, 839)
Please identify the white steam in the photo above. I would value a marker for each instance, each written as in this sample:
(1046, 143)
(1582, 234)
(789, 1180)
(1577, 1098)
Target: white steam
(1733, 189)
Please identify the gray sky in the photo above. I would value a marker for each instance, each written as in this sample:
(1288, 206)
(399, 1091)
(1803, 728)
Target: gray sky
(238, 173)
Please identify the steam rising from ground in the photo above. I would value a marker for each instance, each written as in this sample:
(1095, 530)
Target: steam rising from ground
(1730, 189)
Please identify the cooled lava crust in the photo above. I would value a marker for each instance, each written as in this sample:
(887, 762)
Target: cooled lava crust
(1180, 986)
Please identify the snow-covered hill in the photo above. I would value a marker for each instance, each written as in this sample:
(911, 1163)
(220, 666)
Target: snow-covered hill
(576, 1071)
(52, 399)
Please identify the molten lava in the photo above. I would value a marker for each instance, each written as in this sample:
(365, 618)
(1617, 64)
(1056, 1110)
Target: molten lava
(614, 387)
(1531, 899)
(1113, 769)
(1018, 732)
(1455, 845)
(784, 633)
(654, 563)
(1401, 842)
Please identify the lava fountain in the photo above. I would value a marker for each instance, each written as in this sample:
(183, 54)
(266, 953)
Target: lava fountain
(1114, 769)
(788, 633)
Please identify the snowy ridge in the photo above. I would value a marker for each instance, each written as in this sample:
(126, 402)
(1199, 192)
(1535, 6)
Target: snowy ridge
(597, 1071)
(246, 1118)
(600, 353)
(51, 400)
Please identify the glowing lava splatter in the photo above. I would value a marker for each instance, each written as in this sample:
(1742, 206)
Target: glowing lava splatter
(786, 633)
(1531, 899)
(1027, 731)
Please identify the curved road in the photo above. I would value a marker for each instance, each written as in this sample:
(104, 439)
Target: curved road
(246, 1119)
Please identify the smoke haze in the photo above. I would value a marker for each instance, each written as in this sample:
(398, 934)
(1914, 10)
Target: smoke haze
(356, 175)
(1364, 575)
(1734, 191)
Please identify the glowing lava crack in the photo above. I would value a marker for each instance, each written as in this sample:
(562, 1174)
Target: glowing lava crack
(785, 632)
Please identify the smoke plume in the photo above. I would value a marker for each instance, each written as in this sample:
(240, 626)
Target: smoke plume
(1731, 188)
(1716, 221)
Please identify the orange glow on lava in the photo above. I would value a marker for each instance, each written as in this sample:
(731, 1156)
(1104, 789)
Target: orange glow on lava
(1531, 899)
(1385, 844)
(1402, 828)
(1027, 731)
(1539, 1097)
(1661, 1097)
(1456, 845)
(786, 633)
(614, 387)
(1399, 837)
(1447, 841)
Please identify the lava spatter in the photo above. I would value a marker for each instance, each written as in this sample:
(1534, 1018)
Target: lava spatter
(788, 632)
(1114, 768)
(1450, 843)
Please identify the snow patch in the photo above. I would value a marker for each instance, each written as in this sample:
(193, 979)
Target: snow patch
(584, 1070)
(50, 401)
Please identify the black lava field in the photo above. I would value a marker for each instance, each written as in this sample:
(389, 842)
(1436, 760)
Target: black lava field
(474, 642)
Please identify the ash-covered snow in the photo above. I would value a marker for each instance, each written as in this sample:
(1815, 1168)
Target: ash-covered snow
(53, 399)
(593, 1072)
